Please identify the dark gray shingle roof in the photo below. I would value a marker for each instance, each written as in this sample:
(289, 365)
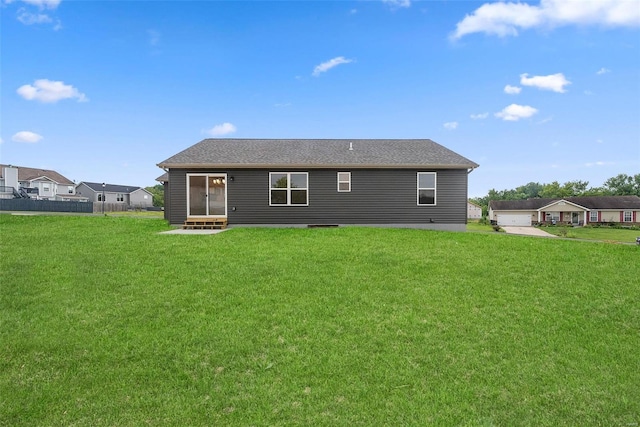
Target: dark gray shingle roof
(111, 188)
(589, 202)
(315, 153)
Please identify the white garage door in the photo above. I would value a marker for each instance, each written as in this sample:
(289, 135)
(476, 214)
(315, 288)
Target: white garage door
(515, 220)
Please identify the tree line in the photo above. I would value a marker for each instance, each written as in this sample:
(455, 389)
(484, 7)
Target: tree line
(158, 194)
(620, 185)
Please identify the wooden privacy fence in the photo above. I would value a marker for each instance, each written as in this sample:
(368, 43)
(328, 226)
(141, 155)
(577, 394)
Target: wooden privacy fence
(45, 206)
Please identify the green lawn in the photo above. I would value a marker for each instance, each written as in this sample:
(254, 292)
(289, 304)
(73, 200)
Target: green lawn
(476, 226)
(105, 322)
(138, 213)
(606, 234)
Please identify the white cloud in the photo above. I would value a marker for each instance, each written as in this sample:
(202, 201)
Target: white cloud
(326, 66)
(506, 19)
(588, 92)
(554, 82)
(479, 116)
(515, 112)
(599, 141)
(512, 90)
(543, 121)
(27, 137)
(42, 4)
(397, 3)
(450, 125)
(598, 163)
(602, 71)
(222, 129)
(44, 90)
(28, 18)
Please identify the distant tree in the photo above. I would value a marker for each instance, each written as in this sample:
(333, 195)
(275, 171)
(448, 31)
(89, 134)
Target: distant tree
(158, 194)
(554, 190)
(623, 185)
(619, 185)
(530, 190)
(575, 188)
(596, 191)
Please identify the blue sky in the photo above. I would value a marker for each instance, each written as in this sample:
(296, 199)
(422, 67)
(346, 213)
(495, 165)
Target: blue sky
(538, 91)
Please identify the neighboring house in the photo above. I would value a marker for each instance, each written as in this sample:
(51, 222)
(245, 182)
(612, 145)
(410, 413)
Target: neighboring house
(126, 195)
(393, 182)
(568, 210)
(473, 211)
(33, 183)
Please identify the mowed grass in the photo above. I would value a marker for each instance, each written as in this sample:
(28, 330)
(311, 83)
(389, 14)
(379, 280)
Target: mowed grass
(475, 226)
(106, 322)
(606, 234)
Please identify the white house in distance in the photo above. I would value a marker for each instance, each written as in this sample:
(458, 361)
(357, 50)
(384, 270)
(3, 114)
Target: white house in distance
(35, 183)
(473, 211)
(126, 195)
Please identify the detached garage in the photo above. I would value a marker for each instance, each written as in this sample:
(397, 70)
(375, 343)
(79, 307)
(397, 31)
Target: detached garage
(514, 220)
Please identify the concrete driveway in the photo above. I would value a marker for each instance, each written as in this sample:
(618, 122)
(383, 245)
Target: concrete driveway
(527, 231)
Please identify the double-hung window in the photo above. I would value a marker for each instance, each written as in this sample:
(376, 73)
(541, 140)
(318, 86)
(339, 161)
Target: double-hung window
(593, 216)
(344, 182)
(288, 188)
(426, 188)
(120, 197)
(628, 216)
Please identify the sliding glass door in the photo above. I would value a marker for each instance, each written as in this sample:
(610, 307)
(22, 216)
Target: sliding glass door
(207, 195)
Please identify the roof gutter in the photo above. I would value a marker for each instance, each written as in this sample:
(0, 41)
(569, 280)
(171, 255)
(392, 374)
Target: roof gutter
(167, 166)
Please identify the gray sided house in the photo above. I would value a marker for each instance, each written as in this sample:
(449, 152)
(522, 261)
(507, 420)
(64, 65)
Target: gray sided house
(126, 195)
(297, 182)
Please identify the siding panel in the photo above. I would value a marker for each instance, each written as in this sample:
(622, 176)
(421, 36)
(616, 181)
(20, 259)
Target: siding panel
(378, 196)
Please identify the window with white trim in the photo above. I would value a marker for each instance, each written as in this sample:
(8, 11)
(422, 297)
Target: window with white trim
(288, 188)
(344, 182)
(70, 189)
(628, 216)
(119, 197)
(593, 216)
(100, 197)
(426, 188)
(552, 216)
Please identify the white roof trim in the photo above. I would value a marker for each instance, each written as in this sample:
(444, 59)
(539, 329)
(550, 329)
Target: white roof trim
(43, 177)
(565, 201)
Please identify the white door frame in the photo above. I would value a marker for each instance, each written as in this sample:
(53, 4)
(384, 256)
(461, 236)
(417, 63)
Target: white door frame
(207, 176)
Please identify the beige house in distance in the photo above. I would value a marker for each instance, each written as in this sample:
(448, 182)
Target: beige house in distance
(473, 211)
(569, 210)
